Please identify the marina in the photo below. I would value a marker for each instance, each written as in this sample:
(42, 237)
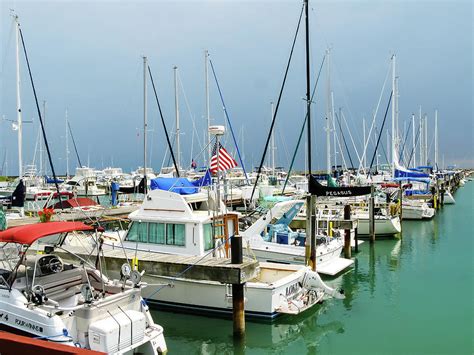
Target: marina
(290, 198)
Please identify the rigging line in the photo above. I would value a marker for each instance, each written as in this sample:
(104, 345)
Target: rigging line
(74, 143)
(383, 147)
(193, 119)
(350, 136)
(303, 126)
(344, 139)
(380, 135)
(163, 121)
(191, 266)
(404, 142)
(416, 144)
(228, 120)
(40, 118)
(277, 105)
(373, 119)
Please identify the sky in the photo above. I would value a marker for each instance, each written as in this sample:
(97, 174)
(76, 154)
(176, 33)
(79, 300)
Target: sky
(86, 58)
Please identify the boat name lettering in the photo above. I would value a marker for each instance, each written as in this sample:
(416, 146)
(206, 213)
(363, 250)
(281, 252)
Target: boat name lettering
(4, 316)
(339, 193)
(28, 325)
(292, 289)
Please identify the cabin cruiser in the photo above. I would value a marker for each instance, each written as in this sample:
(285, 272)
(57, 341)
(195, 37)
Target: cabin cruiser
(196, 224)
(46, 295)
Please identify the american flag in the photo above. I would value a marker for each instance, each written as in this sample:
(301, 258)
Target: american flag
(226, 162)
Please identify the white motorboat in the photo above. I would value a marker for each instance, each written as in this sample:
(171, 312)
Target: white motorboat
(417, 209)
(448, 198)
(173, 224)
(44, 295)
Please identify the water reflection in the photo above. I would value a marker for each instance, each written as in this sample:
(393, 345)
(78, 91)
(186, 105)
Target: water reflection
(201, 335)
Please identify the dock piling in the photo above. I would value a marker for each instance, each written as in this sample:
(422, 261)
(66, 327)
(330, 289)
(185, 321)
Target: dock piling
(371, 215)
(238, 311)
(347, 233)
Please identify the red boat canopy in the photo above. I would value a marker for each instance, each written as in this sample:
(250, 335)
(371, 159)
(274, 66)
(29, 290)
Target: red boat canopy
(30, 233)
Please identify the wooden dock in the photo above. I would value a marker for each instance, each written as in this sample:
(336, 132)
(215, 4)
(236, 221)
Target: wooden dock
(208, 269)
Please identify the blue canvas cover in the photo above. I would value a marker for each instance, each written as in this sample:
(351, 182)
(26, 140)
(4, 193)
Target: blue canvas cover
(180, 186)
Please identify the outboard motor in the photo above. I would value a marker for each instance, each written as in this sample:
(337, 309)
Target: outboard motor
(312, 281)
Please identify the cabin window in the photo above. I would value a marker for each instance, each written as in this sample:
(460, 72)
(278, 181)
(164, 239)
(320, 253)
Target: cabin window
(156, 233)
(138, 232)
(175, 234)
(208, 240)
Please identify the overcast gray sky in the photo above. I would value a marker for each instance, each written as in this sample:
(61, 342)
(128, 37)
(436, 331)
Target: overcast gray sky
(86, 57)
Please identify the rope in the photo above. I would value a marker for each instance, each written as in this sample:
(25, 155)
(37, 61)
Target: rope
(40, 118)
(163, 122)
(189, 267)
(344, 140)
(302, 128)
(381, 130)
(228, 120)
(277, 105)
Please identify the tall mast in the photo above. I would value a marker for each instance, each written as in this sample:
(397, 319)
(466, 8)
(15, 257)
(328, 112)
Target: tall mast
(436, 141)
(394, 134)
(145, 123)
(328, 115)
(334, 130)
(425, 136)
(176, 106)
(363, 128)
(273, 142)
(67, 148)
(413, 137)
(308, 83)
(421, 139)
(208, 115)
(18, 100)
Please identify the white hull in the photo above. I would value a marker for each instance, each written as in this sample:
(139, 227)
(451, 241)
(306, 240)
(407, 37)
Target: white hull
(264, 298)
(327, 255)
(417, 212)
(448, 198)
(383, 226)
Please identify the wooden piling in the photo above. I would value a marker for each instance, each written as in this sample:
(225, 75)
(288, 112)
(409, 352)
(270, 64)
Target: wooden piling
(356, 240)
(347, 233)
(238, 311)
(372, 215)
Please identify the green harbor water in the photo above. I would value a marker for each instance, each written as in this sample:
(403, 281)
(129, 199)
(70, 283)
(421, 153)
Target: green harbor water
(412, 295)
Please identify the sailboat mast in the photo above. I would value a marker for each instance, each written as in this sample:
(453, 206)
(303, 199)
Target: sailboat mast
(145, 122)
(41, 143)
(426, 140)
(308, 87)
(436, 141)
(421, 138)
(176, 106)
(67, 148)
(208, 115)
(334, 131)
(18, 100)
(328, 115)
(273, 141)
(394, 135)
(363, 128)
(413, 138)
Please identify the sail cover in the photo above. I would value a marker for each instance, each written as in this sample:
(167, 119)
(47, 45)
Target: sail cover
(315, 188)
